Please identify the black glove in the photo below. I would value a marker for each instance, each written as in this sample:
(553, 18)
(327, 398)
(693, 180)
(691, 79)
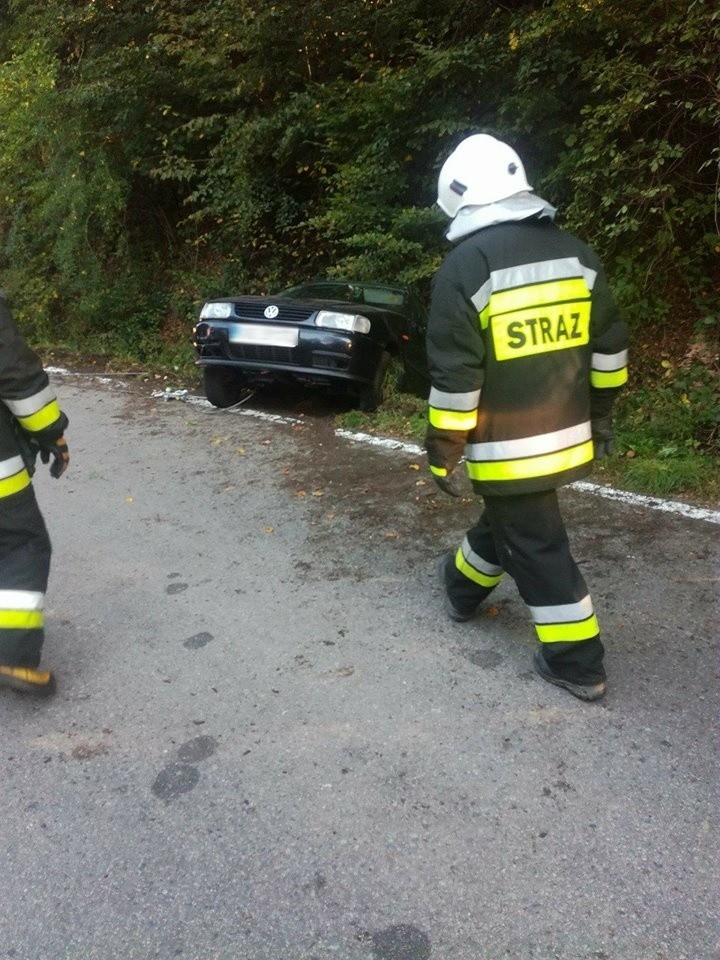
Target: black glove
(27, 446)
(449, 484)
(58, 450)
(444, 450)
(603, 437)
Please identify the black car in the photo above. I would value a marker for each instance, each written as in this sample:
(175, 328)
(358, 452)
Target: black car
(329, 332)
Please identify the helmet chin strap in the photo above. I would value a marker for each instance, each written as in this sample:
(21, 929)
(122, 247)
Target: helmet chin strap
(521, 206)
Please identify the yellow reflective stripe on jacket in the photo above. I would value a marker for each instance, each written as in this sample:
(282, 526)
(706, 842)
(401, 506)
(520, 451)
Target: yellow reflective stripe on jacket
(453, 411)
(13, 476)
(21, 619)
(452, 419)
(471, 565)
(528, 467)
(531, 446)
(43, 418)
(538, 294)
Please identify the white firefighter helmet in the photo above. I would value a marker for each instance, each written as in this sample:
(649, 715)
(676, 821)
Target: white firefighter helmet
(480, 170)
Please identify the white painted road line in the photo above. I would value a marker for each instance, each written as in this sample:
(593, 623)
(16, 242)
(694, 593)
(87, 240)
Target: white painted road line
(412, 449)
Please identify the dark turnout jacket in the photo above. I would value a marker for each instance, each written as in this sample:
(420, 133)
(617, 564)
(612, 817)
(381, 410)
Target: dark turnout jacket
(525, 347)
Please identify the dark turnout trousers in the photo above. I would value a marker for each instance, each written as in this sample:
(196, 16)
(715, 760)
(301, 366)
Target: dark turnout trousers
(524, 535)
(24, 570)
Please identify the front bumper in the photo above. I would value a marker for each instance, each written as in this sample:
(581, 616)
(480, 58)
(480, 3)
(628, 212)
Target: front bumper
(320, 355)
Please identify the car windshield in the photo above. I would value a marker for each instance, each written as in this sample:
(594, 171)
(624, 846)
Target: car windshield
(371, 293)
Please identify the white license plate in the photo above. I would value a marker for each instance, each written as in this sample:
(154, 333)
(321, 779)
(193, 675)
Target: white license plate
(264, 335)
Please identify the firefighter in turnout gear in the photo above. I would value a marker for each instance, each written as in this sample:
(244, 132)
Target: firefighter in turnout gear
(526, 352)
(31, 422)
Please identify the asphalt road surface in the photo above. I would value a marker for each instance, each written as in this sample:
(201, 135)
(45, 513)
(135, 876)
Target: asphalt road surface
(269, 742)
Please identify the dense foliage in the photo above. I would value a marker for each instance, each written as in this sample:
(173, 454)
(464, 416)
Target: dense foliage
(156, 151)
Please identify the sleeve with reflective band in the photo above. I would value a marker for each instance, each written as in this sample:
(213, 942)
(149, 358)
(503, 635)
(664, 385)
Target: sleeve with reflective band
(609, 343)
(13, 476)
(566, 623)
(609, 370)
(472, 566)
(541, 455)
(36, 412)
(453, 411)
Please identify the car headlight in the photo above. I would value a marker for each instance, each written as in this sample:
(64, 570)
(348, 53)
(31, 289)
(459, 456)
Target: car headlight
(342, 321)
(216, 311)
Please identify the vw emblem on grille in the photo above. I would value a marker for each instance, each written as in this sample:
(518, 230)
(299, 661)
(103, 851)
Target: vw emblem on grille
(271, 312)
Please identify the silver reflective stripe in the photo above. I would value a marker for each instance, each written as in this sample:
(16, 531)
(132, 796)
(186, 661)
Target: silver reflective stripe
(11, 466)
(530, 273)
(609, 361)
(454, 401)
(564, 612)
(21, 600)
(530, 446)
(482, 298)
(30, 405)
(475, 560)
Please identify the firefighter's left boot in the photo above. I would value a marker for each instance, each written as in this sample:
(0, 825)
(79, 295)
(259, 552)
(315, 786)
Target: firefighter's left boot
(40, 683)
(460, 614)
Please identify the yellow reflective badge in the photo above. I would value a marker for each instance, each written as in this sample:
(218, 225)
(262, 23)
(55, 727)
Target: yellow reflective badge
(524, 333)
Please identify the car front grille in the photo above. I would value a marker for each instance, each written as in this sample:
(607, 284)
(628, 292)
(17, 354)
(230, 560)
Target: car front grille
(261, 354)
(289, 312)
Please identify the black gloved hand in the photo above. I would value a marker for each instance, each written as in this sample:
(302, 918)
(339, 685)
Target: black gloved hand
(448, 484)
(603, 437)
(444, 450)
(59, 452)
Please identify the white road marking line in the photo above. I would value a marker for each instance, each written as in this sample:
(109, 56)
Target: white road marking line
(596, 489)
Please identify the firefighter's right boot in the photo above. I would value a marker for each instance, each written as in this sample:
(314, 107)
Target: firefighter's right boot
(40, 683)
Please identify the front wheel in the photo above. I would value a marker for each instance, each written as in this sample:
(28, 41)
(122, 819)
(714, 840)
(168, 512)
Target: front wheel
(224, 386)
(373, 394)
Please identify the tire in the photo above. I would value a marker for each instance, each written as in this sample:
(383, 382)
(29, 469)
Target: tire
(372, 395)
(224, 386)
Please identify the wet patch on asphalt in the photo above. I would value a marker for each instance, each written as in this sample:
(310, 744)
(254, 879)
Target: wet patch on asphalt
(400, 942)
(181, 777)
(198, 640)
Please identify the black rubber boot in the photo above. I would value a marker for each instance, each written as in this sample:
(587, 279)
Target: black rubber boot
(40, 683)
(583, 691)
(458, 614)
